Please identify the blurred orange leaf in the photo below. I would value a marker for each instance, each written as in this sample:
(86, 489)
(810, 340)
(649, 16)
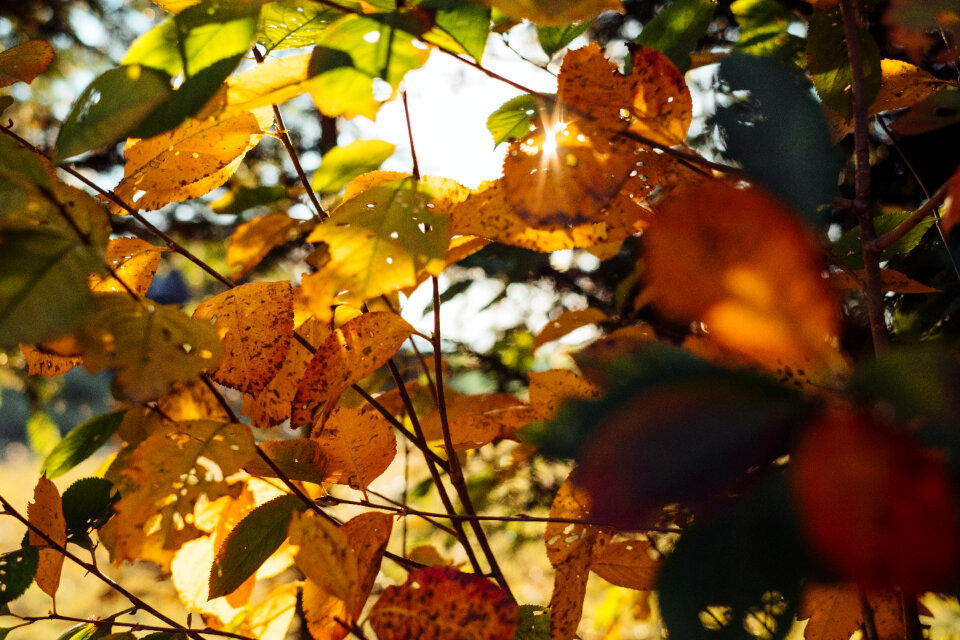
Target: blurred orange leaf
(24, 62)
(566, 322)
(548, 389)
(253, 240)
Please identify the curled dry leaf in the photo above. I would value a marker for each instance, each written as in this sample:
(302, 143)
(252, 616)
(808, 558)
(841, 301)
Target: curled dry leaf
(438, 603)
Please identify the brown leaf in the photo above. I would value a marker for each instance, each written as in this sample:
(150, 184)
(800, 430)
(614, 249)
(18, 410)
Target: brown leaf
(298, 459)
(192, 400)
(356, 445)
(46, 514)
(255, 324)
(951, 206)
(438, 603)
(24, 62)
(833, 610)
(625, 563)
(348, 355)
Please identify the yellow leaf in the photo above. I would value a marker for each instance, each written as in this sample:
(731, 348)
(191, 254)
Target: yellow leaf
(548, 389)
(298, 459)
(555, 12)
(325, 555)
(170, 471)
(322, 609)
(625, 563)
(377, 240)
(46, 514)
(348, 355)
(255, 324)
(24, 62)
(192, 400)
(565, 323)
(478, 419)
(487, 214)
(189, 161)
(44, 363)
(743, 265)
(149, 346)
(272, 405)
(190, 573)
(253, 240)
(652, 101)
(134, 261)
(270, 619)
(357, 445)
(892, 281)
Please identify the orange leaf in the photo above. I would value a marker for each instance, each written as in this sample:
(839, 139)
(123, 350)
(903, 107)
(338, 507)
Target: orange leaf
(478, 419)
(325, 555)
(271, 406)
(742, 264)
(255, 324)
(24, 62)
(134, 261)
(192, 401)
(892, 281)
(357, 445)
(625, 563)
(438, 603)
(835, 612)
(253, 240)
(548, 389)
(652, 101)
(46, 514)
(875, 505)
(297, 458)
(322, 610)
(566, 322)
(348, 355)
(43, 363)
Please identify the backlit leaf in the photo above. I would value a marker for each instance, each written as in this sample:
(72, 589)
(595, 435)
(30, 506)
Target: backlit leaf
(291, 24)
(570, 551)
(325, 555)
(556, 12)
(436, 603)
(253, 240)
(565, 323)
(834, 611)
(465, 24)
(342, 164)
(78, 445)
(250, 543)
(626, 563)
(552, 39)
(378, 240)
(321, 610)
(191, 400)
(149, 346)
(134, 261)
(677, 28)
(356, 445)
(46, 514)
(169, 471)
(348, 355)
(764, 29)
(548, 389)
(297, 459)
(111, 107)
(24, 62)
(17, 569)
(828, 62)
(513, 120)
(255, 324)
(848, 247)
(475, 420)
(189, 161)
(45, 363)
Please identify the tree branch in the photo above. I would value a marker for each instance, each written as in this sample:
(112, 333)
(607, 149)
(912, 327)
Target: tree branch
(902, 229)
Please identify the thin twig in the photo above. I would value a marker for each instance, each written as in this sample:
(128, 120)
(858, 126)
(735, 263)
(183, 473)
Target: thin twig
(281, 133)
(925, 209)
(868, 234)
(133, 626)
(413, 148)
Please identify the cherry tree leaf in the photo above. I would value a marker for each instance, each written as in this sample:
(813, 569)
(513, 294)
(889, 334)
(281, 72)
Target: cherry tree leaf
(297, 459)
(342, 164)
(78, 445)
(570, 551)
(891, 281)
(553, 12)
(255, 324)
(377, 240)
(475, 420)
(189, 161)
(565, 323)
(17, 570)
(548, 389)
(192, 400)
(45, 363)
(169, 471)
(325, 555)
(149, 346)
(348, 355)
(253, 240)
(625, 563)
(356, 446)
(24, 62)
(437, 602)
(134, 261)
(291, 24)
(46, 514)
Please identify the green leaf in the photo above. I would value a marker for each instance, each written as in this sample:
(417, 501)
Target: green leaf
(828, 62)
(42, 433)
(17, 569)
(43, 285)
(727, 573)
(763, 29)
(467, 24)
(87, 506)
(4, 633)
(21, 163)
(848, 247)
(779, 135)
(340, 165)
(676, 30)
(250, 543)
(78, 445)
(291, 24)
(86, 631)
(513, 120)
(552, 39)
(110, 108)
(534, 623)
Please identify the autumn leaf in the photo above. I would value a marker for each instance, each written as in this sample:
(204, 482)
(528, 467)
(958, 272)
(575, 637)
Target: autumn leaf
(476, 420)
(558, 12)
(356, 446)
(255, 324)
(325, 555)
(570, 551)
(835, 611)
(44, 363)
(565, 323)
(891, 280)
(169, 471)
(46, 514)
(253, 240)
(626, 563)
(134, 261)
(189, 161)
(437, 603)
(24, 62)
(297, 459)
(951, 206)
(548, 389)
(192, 400)
(150, 346)
(377, 240)
(348, 355)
